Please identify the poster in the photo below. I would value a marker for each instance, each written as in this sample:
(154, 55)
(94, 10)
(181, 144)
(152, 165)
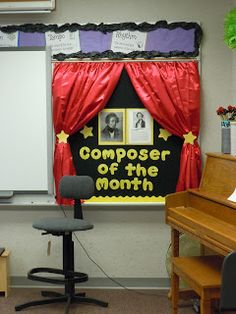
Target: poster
(139, 127)
(8, 40)
(66, 42)
(127, 41)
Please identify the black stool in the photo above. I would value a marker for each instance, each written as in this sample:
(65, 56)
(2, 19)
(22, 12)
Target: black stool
(77, 187)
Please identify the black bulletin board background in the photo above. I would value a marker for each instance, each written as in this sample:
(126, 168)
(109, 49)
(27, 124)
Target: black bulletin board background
(125, 96)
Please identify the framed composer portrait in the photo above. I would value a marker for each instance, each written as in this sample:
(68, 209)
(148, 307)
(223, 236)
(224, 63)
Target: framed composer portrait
(111, 127)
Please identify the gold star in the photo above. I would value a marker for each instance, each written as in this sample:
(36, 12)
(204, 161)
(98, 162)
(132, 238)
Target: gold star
(164, 134)
(87, 131)
(189, 138)
(62, 137)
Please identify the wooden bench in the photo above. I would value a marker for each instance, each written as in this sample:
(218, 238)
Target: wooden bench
(4, 273)
(202, 274)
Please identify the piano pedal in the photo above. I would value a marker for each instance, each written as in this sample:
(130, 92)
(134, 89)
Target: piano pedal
(196, 305)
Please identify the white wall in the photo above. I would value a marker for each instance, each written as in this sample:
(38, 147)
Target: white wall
(127, 242)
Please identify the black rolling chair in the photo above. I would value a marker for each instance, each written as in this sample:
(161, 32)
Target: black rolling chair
(228, 284)
(76, 187)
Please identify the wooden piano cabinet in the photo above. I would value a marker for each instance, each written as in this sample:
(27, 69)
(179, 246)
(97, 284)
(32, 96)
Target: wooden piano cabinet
(206, 215)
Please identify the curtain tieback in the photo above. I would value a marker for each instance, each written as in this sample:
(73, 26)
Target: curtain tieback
(189, 138)
(62, 137)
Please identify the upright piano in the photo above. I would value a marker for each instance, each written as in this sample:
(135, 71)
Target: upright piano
(205, 213)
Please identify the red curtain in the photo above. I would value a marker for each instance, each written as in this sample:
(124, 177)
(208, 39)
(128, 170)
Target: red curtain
(171, 93)
(80, 92)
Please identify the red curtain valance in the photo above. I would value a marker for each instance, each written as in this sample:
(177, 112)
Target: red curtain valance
(169, 90)
(80, 91)
(171, 93)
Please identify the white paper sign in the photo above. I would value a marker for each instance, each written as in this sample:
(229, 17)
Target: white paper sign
(8, 40)
(66, 42)
(127, 41)
(140, 127)
(232, 197)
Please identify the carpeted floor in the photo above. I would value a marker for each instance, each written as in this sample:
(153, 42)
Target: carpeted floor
(120, 302)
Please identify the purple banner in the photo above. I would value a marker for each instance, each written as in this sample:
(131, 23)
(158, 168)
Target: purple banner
(91, 41)
(31, 39)
(166, 40)
(162, 40)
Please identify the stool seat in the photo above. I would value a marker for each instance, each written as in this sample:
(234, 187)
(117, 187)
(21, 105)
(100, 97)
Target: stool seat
(62, 224)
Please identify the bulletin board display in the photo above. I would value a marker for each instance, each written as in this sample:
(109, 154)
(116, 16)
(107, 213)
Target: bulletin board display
(112, 41)
(138, 163)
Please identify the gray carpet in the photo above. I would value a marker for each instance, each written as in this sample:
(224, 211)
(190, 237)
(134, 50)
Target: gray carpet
(120, 302)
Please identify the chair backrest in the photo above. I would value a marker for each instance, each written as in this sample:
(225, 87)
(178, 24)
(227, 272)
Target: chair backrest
(76, 187)
(228, 284)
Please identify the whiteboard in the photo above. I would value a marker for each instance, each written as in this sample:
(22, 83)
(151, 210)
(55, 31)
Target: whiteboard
(25, 120)
(24, 6)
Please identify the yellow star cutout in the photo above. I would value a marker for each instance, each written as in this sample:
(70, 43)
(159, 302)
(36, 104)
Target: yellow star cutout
(87, 131)
(164, 134)
(62, 137)
(189, 138)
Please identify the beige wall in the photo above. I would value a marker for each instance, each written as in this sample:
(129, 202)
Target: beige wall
(127, 242)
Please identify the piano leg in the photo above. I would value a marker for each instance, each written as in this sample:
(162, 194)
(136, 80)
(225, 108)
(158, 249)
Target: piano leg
(174, 250)
(175, 292)
(205, 306)
(175, 242)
